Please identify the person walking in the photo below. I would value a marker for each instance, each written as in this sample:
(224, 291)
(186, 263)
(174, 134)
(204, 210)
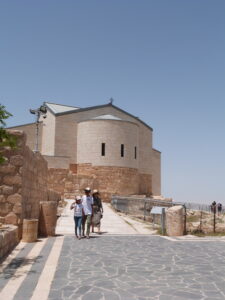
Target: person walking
(213, 207)
(219, 208)
(78, 215)
(87, 201)
(97, 211)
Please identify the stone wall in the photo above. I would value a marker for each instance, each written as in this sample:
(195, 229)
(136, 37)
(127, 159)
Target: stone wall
(34, 185)
(108, 180)
(8, 239)
(23, 181)
(145, 184)
(53, 196)
(67, 183)
(112, 180)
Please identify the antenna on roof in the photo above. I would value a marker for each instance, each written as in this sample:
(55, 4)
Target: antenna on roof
(111, 100)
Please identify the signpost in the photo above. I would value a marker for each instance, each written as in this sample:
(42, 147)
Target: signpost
(159, 210)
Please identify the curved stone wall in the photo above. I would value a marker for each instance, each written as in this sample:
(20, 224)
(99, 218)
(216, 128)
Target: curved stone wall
(113, 133)
(108, 180)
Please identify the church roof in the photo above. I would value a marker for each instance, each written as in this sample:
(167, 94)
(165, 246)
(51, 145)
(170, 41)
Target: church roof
(107, 117)
(58, 110)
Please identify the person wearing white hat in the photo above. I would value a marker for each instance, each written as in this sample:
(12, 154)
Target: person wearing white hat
(97, 211)
(78, 214)
(87, 201)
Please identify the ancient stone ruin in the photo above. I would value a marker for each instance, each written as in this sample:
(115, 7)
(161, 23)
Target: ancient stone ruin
(23, 185)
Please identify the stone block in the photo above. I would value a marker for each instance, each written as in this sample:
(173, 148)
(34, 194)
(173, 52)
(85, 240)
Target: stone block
(17, 160)
(17, 208)
(175, 221)
(7, 169)
(2, 199)
(30, 230)
(2, 221)
(69, 186)
(7, 190)
(13, 180)
(11, 218)
(5, 208)
(47, 218)
(15, 198)
(73, 168)
(8, 240)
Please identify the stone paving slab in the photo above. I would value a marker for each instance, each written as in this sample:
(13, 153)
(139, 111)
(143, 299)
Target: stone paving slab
(27, 287)
(139, 267)
(8, 272)
(191, 238)
(123, 263)
(124, 267)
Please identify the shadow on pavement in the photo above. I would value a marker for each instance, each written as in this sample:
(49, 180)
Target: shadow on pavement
(9, 271)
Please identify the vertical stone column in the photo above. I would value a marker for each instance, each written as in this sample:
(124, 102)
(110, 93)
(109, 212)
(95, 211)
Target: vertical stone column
(175, 221)
(30, 230)
(48, 218)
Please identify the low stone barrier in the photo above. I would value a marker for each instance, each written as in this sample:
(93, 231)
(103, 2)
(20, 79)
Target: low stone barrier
(175, 221)
(8, 239)
(30, 230)
(48, 218)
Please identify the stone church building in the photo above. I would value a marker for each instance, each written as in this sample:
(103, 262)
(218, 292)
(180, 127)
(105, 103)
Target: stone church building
(101, 146)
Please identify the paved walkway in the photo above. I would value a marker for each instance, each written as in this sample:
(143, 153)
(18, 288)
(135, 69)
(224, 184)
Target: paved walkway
(112, 223)
(114, 267)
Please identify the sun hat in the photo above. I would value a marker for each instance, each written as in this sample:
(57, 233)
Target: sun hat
(87, 189)
(78, 197)
(95, 191)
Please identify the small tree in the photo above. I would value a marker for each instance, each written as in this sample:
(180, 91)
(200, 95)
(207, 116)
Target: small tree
(6, 140)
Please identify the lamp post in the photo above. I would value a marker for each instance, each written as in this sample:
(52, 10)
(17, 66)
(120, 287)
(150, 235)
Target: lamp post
(41, 111)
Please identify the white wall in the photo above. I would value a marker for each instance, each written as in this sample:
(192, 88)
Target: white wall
(66, 133)
(156, 172)
(91, 135)
(48, 135)
(30, 130)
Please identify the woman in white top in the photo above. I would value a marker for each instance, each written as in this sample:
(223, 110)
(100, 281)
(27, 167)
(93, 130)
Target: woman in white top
(78, 215)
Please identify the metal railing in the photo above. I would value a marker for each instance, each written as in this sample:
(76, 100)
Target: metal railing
(141, 208)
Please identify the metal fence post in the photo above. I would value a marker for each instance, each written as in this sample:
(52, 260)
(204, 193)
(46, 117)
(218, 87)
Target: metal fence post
(145, 210)
(163, 223)
(185, 219)
(214, 219)
(200, 225)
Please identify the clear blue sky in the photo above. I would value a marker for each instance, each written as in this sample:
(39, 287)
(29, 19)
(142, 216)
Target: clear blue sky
(163, 61)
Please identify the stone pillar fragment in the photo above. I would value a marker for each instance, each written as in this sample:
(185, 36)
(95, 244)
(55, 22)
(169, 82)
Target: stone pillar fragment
(30, 229)
(48, 218)
(175, 221)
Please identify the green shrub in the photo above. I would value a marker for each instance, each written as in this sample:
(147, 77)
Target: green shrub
(6, 140)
